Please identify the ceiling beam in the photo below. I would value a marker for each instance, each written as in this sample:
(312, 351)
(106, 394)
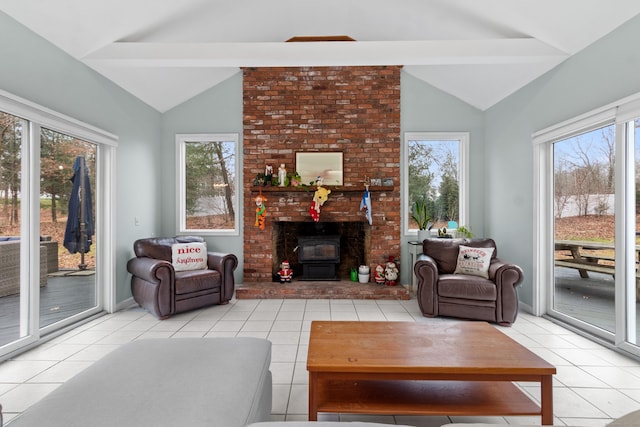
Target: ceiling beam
(333, 53)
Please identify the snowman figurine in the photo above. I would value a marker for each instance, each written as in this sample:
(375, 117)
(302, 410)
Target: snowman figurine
(391, 273)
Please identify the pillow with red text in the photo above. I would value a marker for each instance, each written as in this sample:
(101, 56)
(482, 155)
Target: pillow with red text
(189, 256)
(474, 261)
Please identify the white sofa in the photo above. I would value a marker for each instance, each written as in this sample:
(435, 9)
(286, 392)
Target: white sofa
(195, 382)
(629, 420)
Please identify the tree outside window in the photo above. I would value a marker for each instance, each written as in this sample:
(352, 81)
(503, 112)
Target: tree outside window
(435, 174)
(207, 194)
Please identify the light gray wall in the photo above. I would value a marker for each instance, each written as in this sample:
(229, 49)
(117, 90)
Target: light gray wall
(34, 69)
(217, 110)
(602, 73)
(425, 108)
(501, 167)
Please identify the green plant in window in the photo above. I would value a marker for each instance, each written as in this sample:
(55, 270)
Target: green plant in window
(421, 214)
(464, 232)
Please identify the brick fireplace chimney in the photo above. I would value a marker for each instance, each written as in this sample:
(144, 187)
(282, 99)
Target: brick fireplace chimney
(353, 110)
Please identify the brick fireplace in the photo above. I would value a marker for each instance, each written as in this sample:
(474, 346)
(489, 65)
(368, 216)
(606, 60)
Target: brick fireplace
(353, 110)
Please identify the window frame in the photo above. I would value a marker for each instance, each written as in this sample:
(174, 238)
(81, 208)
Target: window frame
(463, 139)
(181, 217)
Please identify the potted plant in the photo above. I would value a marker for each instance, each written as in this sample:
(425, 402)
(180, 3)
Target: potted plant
(463, 231)
(295, 179)
(422, 218)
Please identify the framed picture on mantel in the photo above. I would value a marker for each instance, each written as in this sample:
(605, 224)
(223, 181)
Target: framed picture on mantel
(326, 165)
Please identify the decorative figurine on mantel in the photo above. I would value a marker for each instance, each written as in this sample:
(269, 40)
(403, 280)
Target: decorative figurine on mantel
(285, 272)
(282, 176)
(319, 197)
(268, 174)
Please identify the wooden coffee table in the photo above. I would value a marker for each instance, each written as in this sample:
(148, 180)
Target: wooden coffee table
(412, 368)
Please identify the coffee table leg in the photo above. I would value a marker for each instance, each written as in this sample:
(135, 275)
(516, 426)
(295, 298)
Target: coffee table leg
(313, 409)
(546, 397)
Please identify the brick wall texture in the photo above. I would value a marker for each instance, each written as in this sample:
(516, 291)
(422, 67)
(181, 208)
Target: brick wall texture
(353, 110)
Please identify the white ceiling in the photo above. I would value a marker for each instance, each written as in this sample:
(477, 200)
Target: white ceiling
(167, 51)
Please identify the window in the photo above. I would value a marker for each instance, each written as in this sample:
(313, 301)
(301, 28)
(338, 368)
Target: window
(435, 171)
(208, 182)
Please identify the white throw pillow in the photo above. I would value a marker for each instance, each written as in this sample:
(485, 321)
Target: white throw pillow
(189, 256)
(474, 261)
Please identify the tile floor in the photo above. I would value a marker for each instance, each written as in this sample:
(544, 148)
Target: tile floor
(592, 386)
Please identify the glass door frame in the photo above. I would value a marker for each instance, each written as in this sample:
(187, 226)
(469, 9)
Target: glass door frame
(35, 118)
(625, 227)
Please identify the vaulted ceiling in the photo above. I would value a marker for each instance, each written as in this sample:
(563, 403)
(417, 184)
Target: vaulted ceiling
(166, 51)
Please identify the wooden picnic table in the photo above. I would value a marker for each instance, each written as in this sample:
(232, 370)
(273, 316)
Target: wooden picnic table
(597, 257)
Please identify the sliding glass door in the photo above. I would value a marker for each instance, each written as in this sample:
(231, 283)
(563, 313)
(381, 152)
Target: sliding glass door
(55, 222)
(67, 227)
(14, 283)
(584, 228)
(588, 245)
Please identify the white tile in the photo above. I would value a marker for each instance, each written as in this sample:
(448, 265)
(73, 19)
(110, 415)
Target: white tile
(615, 377)
(221, 334)
(188, 334)
(344, 315)
(254, 334)
(289, 315)
(228, 326)
(298, 400)
(198, 325)
(120, 337)
(567, 403)
(293, 305)
(612, 402)
(93, 352)
(56, 352)
(268, 315)
(169, 325)
(283, 353)
(257, 325)
(287, 325)
(61, 372)
(155, 334)
(21, 397)
(573, 376)
(284, 337)
(578, 356)
(317, 315)
(112, 324)
(235, 315)
(369, 316)
(19, 371)
(87, 337)
(280, 398)
(282, 372)
(300, 373)
(5, 387)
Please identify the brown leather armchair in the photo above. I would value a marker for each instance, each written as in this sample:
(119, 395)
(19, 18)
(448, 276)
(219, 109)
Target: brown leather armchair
(442, 293)
(161, 290)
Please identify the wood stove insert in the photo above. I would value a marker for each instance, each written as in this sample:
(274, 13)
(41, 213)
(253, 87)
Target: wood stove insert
(319, 256)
